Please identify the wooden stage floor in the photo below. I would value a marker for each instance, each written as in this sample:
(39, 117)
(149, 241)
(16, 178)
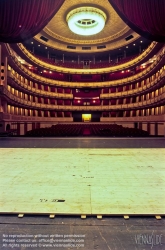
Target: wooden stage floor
(82, 181)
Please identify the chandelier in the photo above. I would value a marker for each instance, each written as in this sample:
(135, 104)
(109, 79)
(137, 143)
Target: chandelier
(86, 21)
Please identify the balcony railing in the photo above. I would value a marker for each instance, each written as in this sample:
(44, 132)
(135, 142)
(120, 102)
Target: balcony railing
(128, 80)
(136, 91)
(86, 71)
(19, 101)
(37, 91)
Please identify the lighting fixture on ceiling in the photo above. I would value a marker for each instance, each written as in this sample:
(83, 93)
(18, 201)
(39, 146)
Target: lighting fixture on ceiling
(86, 21)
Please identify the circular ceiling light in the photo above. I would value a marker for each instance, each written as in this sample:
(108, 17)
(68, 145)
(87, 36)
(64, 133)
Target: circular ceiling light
(86, 21)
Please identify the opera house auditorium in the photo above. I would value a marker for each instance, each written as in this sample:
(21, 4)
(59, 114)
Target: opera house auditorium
(82, 124)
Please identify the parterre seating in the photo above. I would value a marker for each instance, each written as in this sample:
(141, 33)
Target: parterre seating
(107, 130)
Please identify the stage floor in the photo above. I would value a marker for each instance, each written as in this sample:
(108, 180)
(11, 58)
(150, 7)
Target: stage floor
(77, 181)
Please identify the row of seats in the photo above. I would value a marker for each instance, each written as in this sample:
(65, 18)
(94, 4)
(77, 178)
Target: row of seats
(108, 130)
(9, 132)
(119, 131)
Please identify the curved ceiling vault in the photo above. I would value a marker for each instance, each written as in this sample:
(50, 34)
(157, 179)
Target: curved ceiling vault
(112, 35)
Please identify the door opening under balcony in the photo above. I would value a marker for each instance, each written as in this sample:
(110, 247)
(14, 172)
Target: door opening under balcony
(86, 117)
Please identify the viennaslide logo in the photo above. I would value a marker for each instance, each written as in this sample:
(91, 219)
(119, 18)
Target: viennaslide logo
(152, 239)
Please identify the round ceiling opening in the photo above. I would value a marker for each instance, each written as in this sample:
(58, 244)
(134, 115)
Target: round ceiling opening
(86, 21)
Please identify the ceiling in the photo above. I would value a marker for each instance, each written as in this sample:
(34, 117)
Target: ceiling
(112, 36)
